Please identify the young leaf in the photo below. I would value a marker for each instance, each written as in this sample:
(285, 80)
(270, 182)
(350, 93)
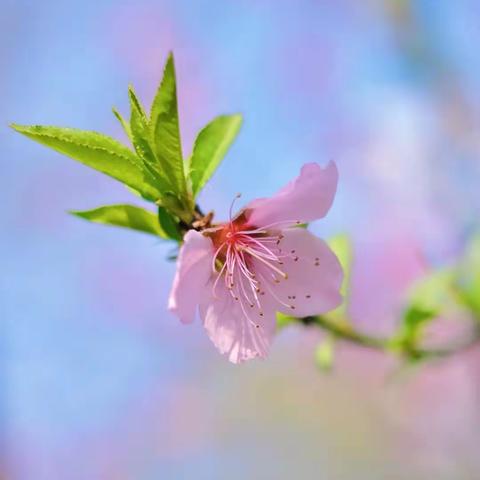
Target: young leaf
(165, 132)
(324, 354)
(427, 298)
(415, 317)
(468, 277)
(139, 129)
(126, 216)
(210, 147)
(140, 136)
(342, 247)
(142, 142)
(97, 151)
(284, 320)
(413, 324)
(135, 103)
(123, 123)
(433, 292)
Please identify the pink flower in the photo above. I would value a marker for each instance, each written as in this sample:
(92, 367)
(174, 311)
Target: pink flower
(242, 272)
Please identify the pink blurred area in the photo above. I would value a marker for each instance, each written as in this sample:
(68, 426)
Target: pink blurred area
(98, 381)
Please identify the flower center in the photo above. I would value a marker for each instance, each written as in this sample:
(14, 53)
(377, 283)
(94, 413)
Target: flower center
(247, 259)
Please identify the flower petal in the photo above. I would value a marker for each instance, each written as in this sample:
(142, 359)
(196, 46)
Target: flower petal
(232, 332)
(304, 199)
(314, 275)
(194, 268)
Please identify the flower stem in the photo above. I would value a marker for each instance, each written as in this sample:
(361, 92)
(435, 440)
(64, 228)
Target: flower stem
(392, 344)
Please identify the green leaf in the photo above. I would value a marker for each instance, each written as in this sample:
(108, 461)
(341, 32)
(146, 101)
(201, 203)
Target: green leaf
(97, 151)
(433, 292)
(468, 276)
(142, 142)
(123, 123)
(284, 320)
(126, 216)
(210, 147)
(427, 299)
(410, 334)
(324, 354)
(342, 247)
(415, 317)
(140, 135)
(169, 224)
(132, 190)
(165, 132)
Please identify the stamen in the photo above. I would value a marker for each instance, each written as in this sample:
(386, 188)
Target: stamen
(254, 324)
(235, 262)
(245, 295)
(214, 288)
(237, 196)
(272, 293)
(248, 232)
(260, 244)
(216, 255)
(284, 223)
(259, 257)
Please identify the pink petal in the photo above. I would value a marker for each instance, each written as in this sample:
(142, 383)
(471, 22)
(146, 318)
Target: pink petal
(314, 275)
(304, 199)
(194, 268)
(230, 329)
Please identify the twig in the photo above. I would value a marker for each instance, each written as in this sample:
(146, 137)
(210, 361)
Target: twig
(392, 344)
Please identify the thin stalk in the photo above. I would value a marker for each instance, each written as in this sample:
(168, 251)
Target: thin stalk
(392, 344)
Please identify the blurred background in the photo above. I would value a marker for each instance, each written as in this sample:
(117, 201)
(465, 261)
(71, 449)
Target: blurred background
(97, 380)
